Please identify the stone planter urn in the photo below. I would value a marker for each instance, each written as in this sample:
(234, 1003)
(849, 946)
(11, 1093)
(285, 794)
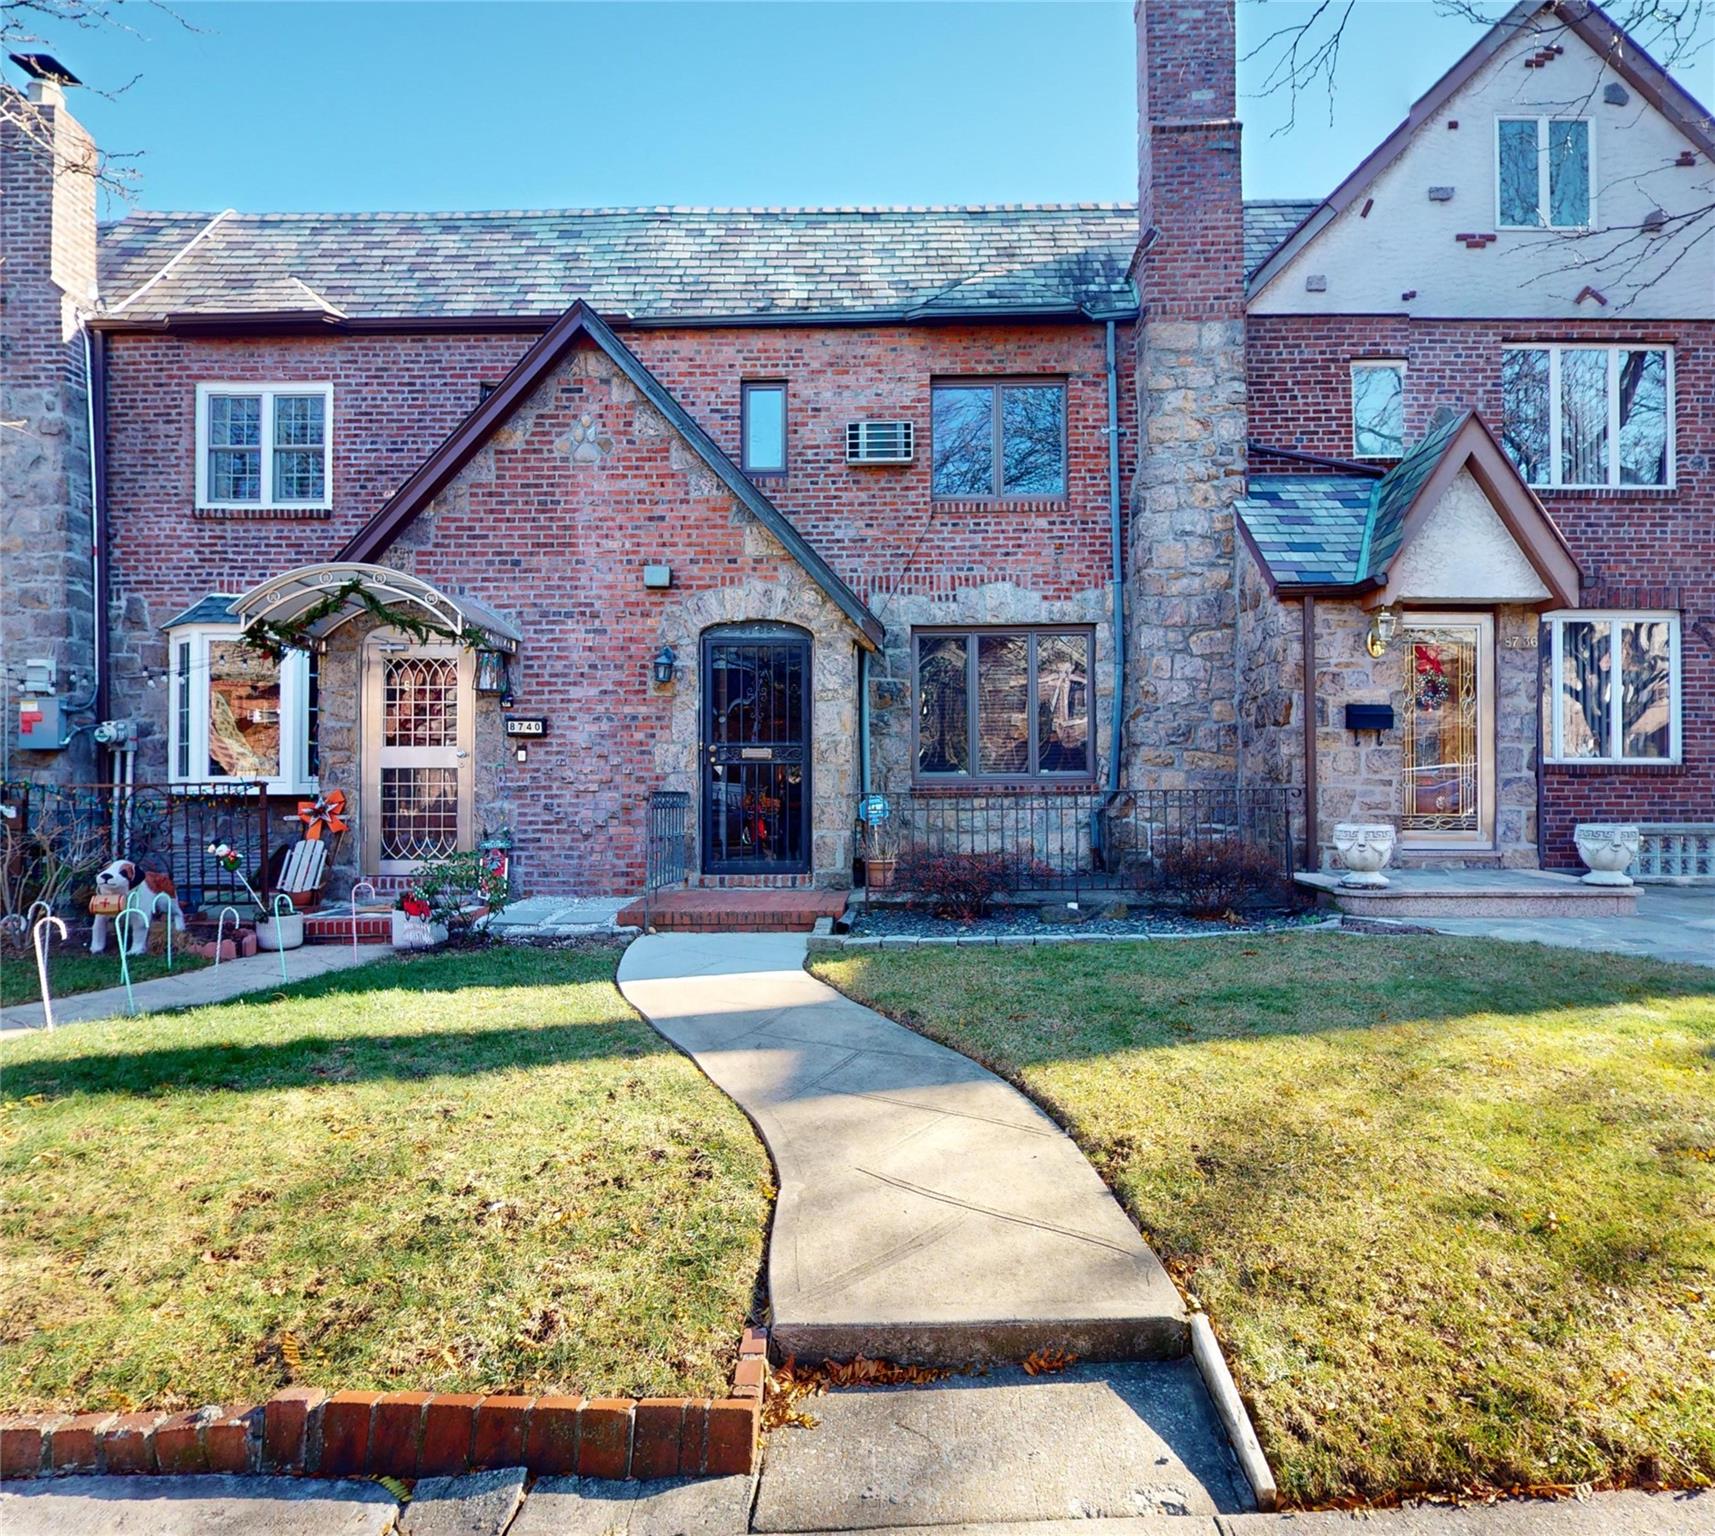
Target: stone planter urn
(1609, 848)
(1364, 847)
(416, 932)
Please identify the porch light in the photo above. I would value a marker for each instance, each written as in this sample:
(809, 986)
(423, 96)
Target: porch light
(1382, 623)
(491, 674)
(663, 666)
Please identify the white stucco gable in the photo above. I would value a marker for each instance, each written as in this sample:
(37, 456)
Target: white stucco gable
(1462, 552)
(1394, 245)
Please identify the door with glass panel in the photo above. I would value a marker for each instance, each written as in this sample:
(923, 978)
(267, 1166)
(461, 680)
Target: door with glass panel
(756, 750)
(417, 737)
(1448, 779)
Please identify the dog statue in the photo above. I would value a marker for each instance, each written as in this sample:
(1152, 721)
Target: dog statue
(112, 886)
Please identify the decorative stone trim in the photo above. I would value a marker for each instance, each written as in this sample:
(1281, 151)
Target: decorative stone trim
(832, 943)
(308, 1432)
(262, 514)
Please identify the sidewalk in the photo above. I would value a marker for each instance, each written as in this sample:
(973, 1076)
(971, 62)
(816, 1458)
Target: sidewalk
(190, 989)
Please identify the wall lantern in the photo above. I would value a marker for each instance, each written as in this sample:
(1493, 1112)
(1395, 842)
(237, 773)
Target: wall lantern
(1382, 623)
(663, 666)
(491, 673)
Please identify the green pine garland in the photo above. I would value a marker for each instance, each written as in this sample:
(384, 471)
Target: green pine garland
(273, 638)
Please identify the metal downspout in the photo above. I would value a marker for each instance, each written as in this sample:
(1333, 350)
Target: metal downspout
(863, 720)
(1116, 559)
(1312, 840)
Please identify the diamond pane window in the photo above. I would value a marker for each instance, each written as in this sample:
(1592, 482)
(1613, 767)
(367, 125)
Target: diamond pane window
(419, 813)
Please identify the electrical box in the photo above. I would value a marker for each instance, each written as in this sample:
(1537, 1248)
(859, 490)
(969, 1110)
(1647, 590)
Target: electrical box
(41, 725)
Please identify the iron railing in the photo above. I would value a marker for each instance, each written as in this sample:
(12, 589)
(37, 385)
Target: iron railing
(1072, 841)
(667, 852)
(160, 827)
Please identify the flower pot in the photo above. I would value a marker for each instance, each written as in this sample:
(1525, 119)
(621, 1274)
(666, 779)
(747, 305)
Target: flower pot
(416, 932)
(280, 932)
(878, 871)
(1364, 848)
(1609, 849)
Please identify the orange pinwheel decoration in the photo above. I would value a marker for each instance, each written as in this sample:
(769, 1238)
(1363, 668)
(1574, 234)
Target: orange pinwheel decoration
(322, 815)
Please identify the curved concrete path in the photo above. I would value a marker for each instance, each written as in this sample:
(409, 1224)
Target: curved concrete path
(927, 1211)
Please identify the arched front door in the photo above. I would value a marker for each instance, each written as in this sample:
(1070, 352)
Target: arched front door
(756, 750)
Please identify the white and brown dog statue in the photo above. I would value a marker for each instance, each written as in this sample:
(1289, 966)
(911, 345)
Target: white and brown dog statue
(113, 887)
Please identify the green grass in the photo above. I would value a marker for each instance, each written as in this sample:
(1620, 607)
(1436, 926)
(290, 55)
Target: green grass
(76, 970)
(1450, 1205)
(458, 1172)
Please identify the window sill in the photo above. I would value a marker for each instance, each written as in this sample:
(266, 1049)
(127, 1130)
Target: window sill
(1585, 770)
(998, 503)
(257, 514)
(1611, 491)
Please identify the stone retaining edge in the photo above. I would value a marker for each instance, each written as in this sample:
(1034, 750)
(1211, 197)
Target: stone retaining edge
(827, 943)
(1206, 1351)
(312, 1433)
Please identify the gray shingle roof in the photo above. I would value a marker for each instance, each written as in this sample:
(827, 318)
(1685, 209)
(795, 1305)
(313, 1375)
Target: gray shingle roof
(650, 263)
(1309, 529)
(216, 608)
(1268, 221)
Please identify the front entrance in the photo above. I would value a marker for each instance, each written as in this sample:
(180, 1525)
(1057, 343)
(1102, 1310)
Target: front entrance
(1448, 782)
(418, 728)
(756, 750)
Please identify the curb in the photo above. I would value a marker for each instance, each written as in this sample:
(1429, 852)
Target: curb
(312, 1433)
(827, 943)
(1230, 1406)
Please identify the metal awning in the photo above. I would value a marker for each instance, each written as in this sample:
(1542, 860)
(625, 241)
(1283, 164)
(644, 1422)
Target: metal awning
(285, 598)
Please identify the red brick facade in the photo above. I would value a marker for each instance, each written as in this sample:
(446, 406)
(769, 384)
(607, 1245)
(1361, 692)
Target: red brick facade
(1637, 548)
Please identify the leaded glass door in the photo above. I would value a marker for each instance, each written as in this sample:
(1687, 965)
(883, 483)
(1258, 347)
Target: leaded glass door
(756, 751)
(417, 783)
(1447, 730)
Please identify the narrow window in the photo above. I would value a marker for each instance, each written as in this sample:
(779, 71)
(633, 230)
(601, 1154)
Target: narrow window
(1578, 416)
(1542, 172)
(1004, 705)
(1568, 173)
(1616, 696)
(300, 432)
(764, 429)
(1519, 179)
(1003, 439)
(1378, 410)
(235, 448)
(182, 747)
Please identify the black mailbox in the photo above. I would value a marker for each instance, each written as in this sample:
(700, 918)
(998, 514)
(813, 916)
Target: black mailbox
(1369, 717)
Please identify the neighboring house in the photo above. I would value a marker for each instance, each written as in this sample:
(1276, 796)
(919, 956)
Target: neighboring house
(778, 507)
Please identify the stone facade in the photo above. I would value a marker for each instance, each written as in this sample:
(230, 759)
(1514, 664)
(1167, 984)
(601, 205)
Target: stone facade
(47, 278)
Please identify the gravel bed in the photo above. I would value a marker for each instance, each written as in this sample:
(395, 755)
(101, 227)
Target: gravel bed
(1013, 922)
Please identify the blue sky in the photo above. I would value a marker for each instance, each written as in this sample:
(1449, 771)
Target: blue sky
(406, 105)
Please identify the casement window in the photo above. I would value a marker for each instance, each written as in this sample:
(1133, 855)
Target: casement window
(1004, 704)
(236, 715)
(1378, 409)
(998, 438)
(1543, 173)
(264, 445)
(763, 428)
(1614, 694)
(1584, 416)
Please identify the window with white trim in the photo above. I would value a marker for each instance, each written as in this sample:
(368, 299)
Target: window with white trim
(1579, 417)
(1614, 687)
(1378, 409)
(1543, 173)
(264, 445)
(235, 715)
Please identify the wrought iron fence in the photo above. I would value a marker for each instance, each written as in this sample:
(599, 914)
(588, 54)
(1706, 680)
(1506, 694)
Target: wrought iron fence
(1084, 840)
(667, 855)
(55, 834)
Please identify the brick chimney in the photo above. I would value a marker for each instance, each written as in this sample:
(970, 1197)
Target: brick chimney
(47, 279)
(1181, 717)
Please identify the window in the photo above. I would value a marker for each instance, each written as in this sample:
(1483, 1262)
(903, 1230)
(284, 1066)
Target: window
(998, 439)
(264, 445)
(763, 450)
(1004, 704)
(237, 715)
(1589, 416)
(1378, 410)
(1542, 164)
(1615, 687)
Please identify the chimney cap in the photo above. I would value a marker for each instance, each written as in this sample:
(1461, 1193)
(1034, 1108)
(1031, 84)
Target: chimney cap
(44, 66)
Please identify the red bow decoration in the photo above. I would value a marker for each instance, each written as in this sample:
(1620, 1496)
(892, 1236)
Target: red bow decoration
(324, 814)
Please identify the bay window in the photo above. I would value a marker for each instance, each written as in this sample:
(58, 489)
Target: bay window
(1003, 704)
(1588, 416)
(1614, 687)
(998, 439)
(264, 445)
(235, 714)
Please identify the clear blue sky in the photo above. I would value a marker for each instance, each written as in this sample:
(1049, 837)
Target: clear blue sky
(408, 105)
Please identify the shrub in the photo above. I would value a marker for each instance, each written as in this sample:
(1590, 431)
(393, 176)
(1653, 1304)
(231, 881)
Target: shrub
(447, 887)
(1212, 876)
(958, 885)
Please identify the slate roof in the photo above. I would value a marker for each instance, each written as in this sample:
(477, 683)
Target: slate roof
(1398, 488)
(649, 263)
(1268, 221)
(216, 608)
(1309, 529)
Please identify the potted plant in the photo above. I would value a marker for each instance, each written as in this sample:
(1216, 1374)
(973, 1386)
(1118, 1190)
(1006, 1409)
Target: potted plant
(414, 925)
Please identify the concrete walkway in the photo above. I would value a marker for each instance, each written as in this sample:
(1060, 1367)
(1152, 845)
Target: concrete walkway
(926, 1211)
(190, 989)
(1672, 923)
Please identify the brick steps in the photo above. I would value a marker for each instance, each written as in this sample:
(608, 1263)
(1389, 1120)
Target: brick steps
(735, 911)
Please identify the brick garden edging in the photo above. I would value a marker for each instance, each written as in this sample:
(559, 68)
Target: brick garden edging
(312, 1433)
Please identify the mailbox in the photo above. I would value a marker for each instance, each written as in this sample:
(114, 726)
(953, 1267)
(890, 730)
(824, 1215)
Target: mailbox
(1369, 717)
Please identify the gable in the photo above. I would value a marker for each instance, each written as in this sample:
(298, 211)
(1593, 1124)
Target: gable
(1462, 552)
(1388, 240)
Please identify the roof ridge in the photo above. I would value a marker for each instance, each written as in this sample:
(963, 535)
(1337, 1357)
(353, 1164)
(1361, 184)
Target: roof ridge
(656, 209)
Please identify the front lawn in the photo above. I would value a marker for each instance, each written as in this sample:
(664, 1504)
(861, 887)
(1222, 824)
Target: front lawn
(76, 970)
(477, 1171)
(1449, 1204)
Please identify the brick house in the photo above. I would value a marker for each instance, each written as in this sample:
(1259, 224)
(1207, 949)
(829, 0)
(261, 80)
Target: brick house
(779, 508)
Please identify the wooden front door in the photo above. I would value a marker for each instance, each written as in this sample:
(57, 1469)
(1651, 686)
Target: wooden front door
(756, 751)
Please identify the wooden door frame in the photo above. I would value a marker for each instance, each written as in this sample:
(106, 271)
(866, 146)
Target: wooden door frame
(1484, 836)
